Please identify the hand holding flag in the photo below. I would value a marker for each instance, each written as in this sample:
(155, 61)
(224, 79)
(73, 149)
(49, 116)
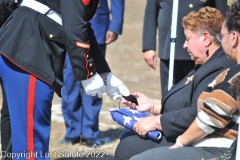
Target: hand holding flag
(128, 117)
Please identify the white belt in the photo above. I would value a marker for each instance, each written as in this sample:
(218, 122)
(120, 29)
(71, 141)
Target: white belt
(42, 8)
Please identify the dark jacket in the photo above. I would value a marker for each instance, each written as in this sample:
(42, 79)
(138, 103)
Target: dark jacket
(158, 15)
(180, 104)
(38, 44)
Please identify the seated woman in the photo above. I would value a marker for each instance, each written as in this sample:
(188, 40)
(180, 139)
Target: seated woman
(218, 112)
(178, 109)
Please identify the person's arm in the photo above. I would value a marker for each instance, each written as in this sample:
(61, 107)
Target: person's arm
(85, 55)
(117, 16)
(189, 138)
(149, 32)
(86, 59)
(150, 25)
(116, 23)
(192, 134)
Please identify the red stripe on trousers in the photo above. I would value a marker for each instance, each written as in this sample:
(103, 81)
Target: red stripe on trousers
(30, 120)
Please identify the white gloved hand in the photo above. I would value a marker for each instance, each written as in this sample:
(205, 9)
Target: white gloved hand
(115, 88)
(94, 86)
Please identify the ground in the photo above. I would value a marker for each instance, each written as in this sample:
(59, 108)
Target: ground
(126, 61)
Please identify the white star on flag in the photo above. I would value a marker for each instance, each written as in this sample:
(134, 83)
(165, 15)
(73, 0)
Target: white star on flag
(133, 111)
(136, 118)
(127, 120)
(128, 117)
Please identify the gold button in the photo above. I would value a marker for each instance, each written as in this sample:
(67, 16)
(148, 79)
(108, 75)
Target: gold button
(51, 36)
(90, 65)
(191, 5)
(91, 73)
(87, 55)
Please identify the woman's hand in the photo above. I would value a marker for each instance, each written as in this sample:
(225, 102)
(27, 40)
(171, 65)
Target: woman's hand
(147, 124)
(144, 103)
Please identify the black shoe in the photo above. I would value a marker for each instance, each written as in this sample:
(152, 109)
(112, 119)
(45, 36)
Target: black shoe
(91, 142)
(95, 142)
(70, 141)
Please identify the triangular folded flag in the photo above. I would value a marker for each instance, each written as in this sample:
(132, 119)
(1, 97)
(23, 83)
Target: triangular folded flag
(128, 117)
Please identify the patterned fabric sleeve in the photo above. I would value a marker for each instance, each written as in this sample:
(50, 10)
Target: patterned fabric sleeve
(216, 108)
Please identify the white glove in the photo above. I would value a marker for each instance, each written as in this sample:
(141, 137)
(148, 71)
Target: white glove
(94, 85)
(115, 88)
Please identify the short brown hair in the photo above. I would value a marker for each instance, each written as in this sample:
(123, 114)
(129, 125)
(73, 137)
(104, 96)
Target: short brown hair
(206, 19)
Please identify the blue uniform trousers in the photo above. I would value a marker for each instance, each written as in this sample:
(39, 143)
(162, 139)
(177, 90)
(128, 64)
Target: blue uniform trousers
(29, 103)
(80, 111)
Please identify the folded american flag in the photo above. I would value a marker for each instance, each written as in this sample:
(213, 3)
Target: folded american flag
(128, 117)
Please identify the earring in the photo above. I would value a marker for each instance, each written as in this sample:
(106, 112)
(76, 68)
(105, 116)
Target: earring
(207, 51)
